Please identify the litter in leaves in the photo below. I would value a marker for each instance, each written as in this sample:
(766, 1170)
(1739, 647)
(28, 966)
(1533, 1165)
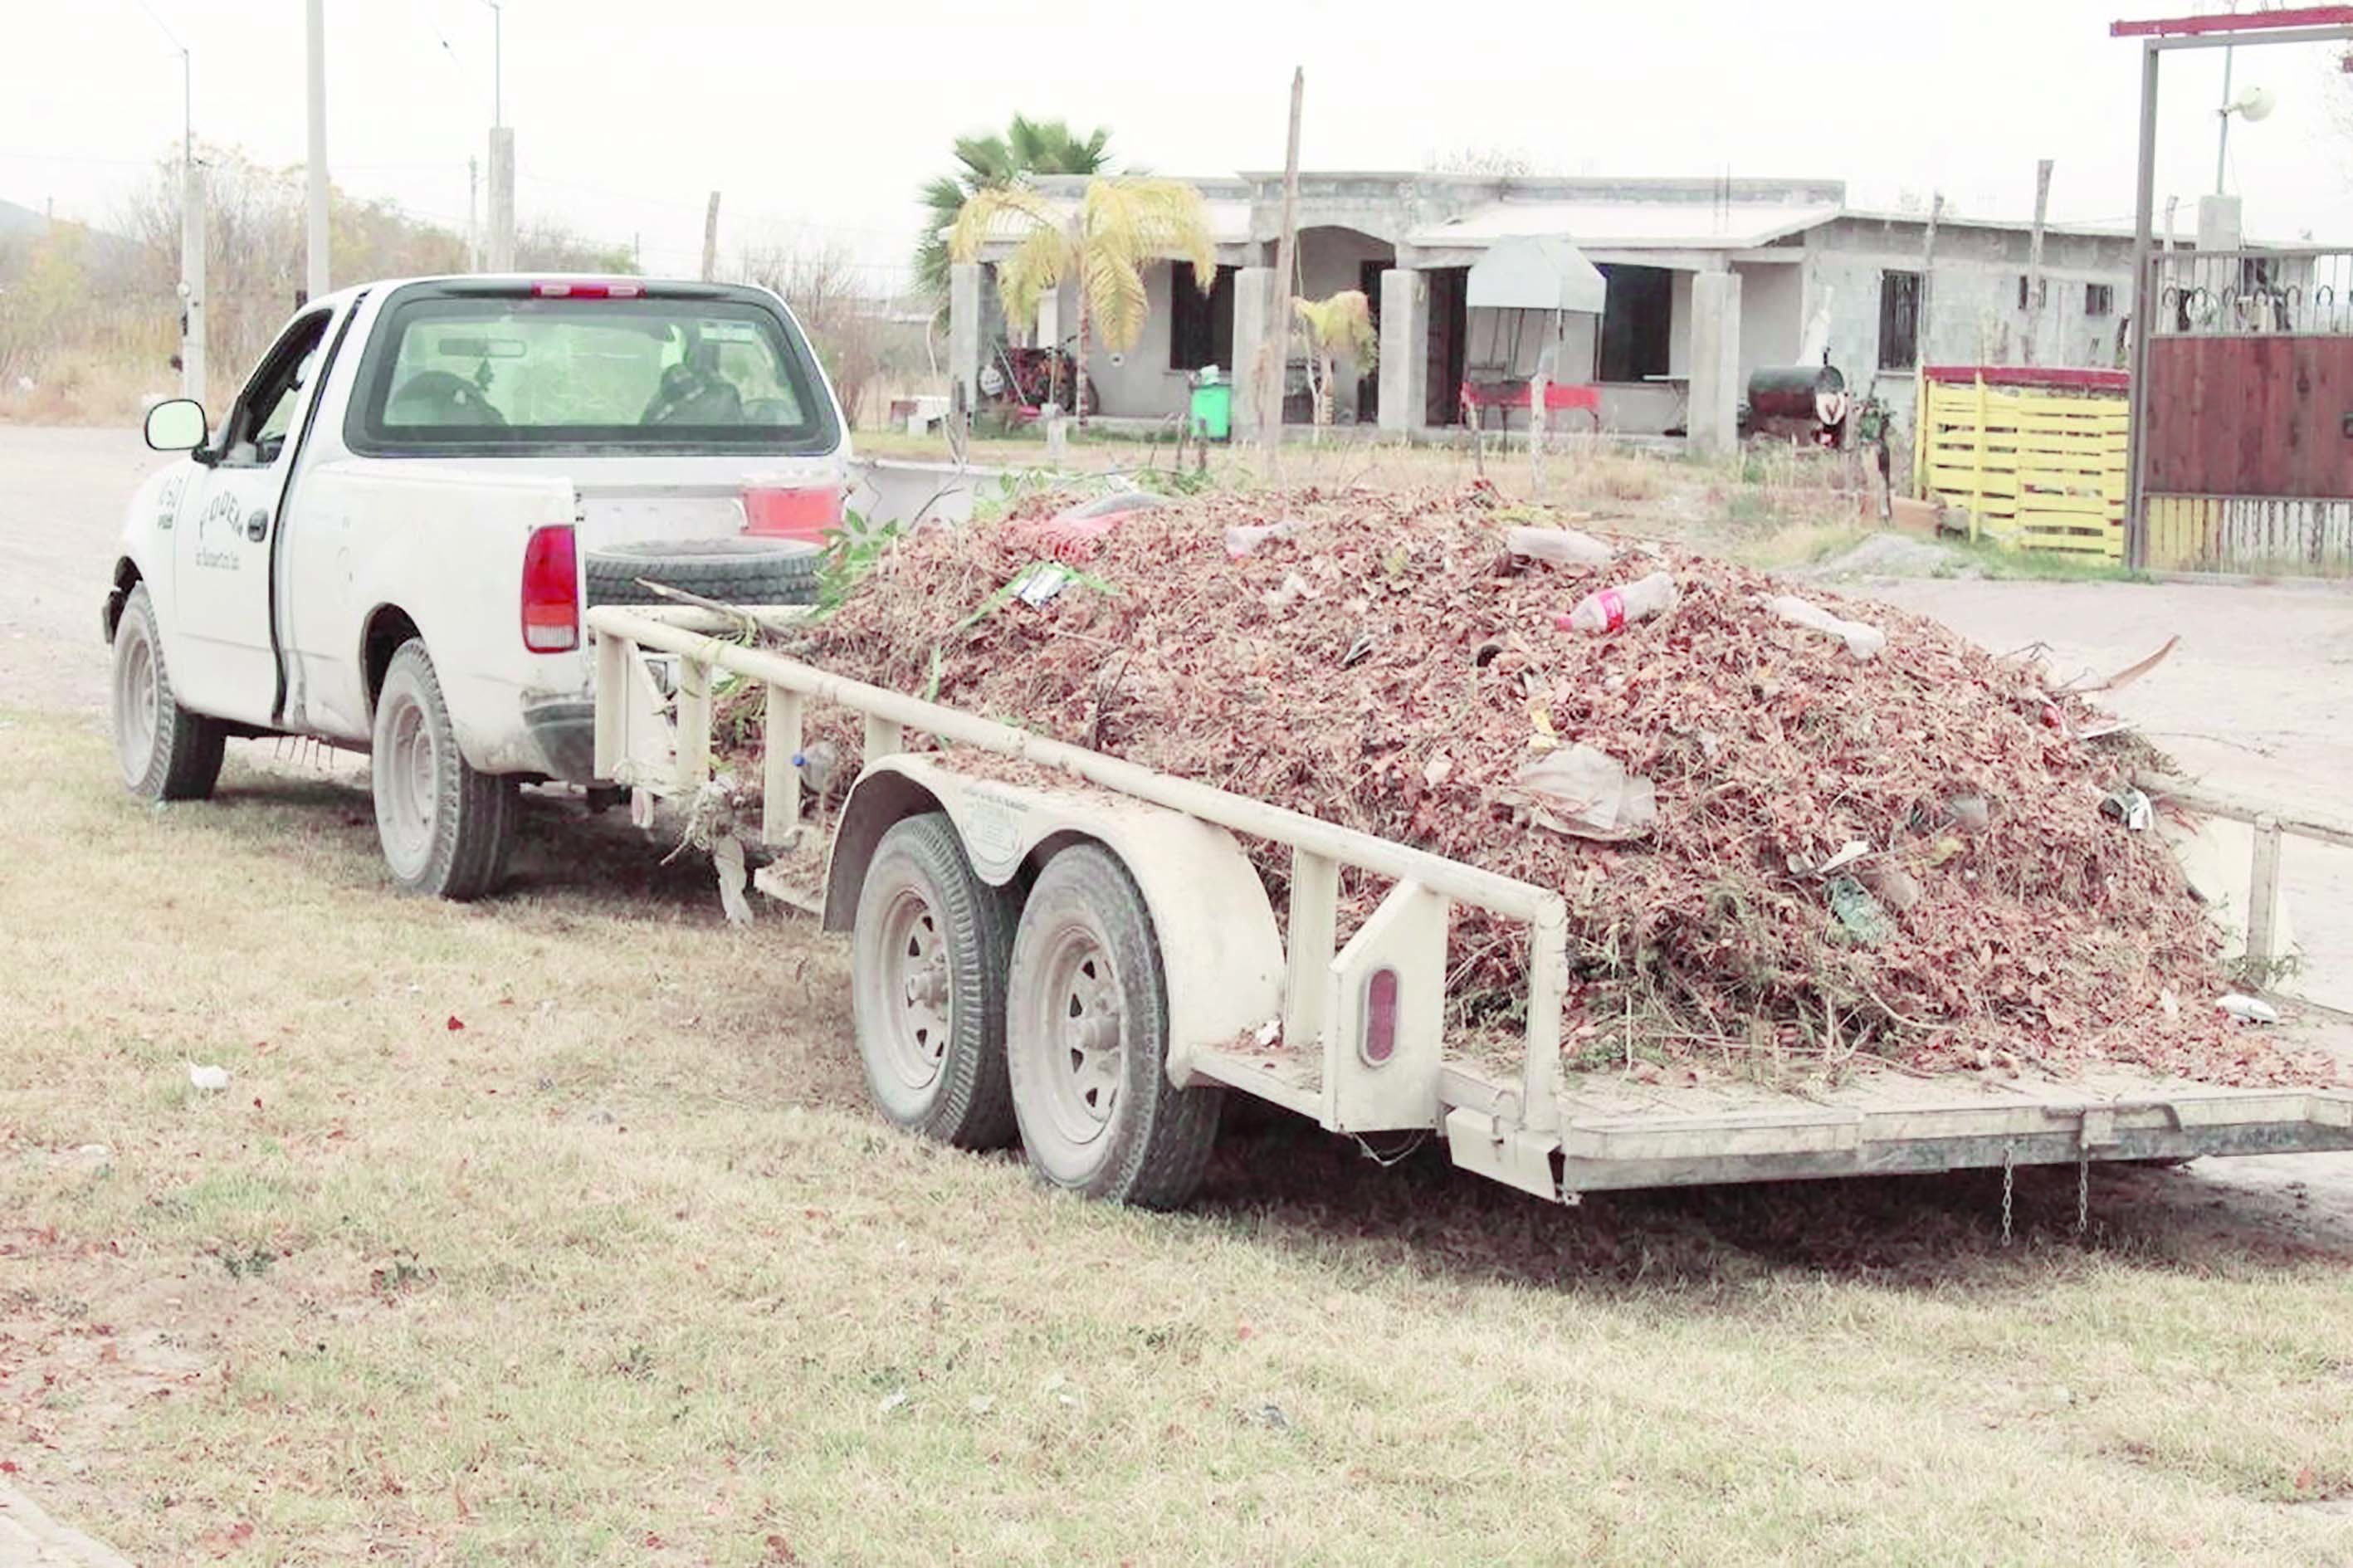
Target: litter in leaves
(1388, 660)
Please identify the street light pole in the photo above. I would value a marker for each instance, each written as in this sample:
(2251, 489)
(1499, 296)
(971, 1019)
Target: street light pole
(2223, 142)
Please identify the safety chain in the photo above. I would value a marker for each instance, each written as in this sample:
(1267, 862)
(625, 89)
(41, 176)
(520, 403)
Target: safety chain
(2083, 1190)
(2008, 1178)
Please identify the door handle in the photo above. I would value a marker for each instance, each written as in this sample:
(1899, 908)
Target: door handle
(257, 526)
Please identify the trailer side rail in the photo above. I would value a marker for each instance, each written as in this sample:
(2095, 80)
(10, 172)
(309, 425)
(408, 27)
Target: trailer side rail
(629, 755)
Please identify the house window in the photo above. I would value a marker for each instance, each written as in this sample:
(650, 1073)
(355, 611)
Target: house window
(1637, 314)
(2099, 299)
(2022, 290)
(1200, 326)
(1899, 320)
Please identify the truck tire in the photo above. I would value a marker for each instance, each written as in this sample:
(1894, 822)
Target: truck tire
(164, 752)
(446, 831)
(927, 983)
(732, 571)
(1087, 1043)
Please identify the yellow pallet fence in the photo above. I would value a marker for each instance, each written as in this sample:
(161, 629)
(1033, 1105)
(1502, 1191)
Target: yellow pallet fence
(2036, 470)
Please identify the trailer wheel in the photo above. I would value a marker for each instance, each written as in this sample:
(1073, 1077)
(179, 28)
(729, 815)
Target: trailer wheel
(928, 987)
(1087, 1043)
(446, 831)
(165, 752)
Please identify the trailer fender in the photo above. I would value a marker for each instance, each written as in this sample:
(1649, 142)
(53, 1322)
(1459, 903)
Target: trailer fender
(1220, 950)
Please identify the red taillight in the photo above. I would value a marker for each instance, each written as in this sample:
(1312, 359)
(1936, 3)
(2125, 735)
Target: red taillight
(773, 509)
(572, 289)
(1380, 1016)
(551, 592)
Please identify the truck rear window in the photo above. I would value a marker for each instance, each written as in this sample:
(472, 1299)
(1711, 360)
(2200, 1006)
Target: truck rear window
(468, 373)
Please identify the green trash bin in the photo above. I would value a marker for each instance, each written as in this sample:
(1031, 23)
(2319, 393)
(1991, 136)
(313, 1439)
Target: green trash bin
(1213, 407)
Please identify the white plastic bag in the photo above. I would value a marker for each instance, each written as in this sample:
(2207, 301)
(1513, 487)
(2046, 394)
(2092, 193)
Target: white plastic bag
(1861, 640)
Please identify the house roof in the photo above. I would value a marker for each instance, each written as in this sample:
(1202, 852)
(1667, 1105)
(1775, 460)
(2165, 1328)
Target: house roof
(1229, 219)
(1630, 225)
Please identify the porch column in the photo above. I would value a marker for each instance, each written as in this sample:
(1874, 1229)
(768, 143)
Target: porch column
(963, 331)
(1405, 349)
(1251, 285)
(1714, 423)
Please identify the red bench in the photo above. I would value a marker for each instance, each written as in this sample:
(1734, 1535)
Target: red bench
(1507, 394)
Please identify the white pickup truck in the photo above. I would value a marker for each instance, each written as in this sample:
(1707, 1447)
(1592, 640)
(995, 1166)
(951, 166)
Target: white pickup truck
(389, 539)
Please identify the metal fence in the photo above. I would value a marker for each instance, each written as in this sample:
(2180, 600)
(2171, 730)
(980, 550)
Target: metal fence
(2240, 293)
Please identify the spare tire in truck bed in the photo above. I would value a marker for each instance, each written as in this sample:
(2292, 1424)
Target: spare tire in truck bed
(732, 570)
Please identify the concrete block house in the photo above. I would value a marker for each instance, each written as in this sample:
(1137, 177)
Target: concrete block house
(1707, 281)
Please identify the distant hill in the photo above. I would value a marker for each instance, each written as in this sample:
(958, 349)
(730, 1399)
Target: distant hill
(19, 220)
(100, 245)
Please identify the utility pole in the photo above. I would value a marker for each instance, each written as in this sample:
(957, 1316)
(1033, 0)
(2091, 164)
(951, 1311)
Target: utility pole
(1920, 338)
(315, 228)
(498, 250)
(710, 239)
(473, 214)
(1274, 352)
(191, 282)
(192, 224)
(2034, 257)
(498, 61)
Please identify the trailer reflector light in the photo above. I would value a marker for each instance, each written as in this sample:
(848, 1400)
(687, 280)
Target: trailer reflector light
(570, 289)
(551, 591)
(1380, 1017)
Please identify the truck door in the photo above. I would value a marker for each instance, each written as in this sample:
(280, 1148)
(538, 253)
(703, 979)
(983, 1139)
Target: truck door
(224, 655)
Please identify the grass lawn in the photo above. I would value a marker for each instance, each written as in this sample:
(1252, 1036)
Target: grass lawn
(555, 1229)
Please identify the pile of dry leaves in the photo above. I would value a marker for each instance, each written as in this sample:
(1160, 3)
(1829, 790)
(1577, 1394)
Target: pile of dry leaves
(1917, 855)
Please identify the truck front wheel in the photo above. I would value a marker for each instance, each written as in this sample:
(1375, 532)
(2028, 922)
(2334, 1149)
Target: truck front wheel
(165, 752)
(447, 829)
(1087, 1041)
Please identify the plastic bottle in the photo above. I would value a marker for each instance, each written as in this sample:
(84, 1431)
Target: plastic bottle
(1615, 607)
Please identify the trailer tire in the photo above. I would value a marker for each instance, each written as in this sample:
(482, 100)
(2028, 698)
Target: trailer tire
(164, 752)
(1087, 1043)
(927, 987)
(737, 570)
(447, 829)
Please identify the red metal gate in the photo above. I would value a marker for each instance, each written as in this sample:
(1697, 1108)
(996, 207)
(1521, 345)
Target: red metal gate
(2248, 411)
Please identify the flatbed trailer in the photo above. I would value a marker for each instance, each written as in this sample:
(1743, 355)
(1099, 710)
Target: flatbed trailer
(1094, 947)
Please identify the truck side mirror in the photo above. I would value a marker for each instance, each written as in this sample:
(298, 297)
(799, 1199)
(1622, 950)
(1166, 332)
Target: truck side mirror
(177, 425)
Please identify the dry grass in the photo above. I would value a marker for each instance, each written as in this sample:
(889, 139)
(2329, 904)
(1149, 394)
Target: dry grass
(623, 1271)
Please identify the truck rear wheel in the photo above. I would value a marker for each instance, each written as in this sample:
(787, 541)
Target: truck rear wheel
(929, 952)
(446, 831)
(1087, 1043)
(165, 752)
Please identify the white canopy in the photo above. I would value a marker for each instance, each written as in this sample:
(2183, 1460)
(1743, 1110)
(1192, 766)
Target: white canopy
(1535, 273)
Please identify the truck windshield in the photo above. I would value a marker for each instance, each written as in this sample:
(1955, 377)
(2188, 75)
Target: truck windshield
(472, 373)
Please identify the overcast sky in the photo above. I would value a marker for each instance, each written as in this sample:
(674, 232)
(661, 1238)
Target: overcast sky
(817, 120)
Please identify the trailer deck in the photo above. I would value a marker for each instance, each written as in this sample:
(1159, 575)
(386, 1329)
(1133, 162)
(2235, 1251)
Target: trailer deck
(1293, 1019)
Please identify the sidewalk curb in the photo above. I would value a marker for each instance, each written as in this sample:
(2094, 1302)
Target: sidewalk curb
(31, 1539)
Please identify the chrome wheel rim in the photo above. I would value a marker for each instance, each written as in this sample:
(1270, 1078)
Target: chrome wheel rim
(918, 993)
(1081, 1029)
(411, 773)
(138, 707)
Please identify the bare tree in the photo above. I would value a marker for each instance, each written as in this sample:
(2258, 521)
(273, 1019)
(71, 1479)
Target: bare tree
(821, 283)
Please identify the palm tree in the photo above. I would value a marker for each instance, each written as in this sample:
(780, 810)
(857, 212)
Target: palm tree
(1341, 324)
(1027, 147)
(1122, 224)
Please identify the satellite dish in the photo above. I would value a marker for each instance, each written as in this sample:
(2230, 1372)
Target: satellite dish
(2253, 104)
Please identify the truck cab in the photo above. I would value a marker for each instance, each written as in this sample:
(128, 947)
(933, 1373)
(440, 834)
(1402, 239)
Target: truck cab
(388, 538)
